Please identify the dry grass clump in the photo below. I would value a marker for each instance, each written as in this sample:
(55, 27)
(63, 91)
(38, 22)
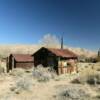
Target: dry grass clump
(98, 97)
(89, 76)
(13, 96)
(84, 66)
(94, 79)
(23, 84)
(23, 81)
(18, 72)
(2, 67)
(1, 70)
(43, 74)
(72, 93)
(8, 96)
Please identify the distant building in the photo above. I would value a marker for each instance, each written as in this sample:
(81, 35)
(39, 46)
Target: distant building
(19, 61)
(55, 58)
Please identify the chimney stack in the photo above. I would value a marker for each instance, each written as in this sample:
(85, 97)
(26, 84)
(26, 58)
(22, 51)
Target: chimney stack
(62, 42)
(99, 52)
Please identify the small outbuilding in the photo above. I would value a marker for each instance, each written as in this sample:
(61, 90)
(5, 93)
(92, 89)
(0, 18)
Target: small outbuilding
(19, 61)
(61, 60)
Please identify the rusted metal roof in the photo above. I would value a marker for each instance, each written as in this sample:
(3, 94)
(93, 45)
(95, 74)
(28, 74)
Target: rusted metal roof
(62, 52)
(59, 52)
(23, 57)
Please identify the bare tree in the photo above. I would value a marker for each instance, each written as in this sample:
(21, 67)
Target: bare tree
(50, 40)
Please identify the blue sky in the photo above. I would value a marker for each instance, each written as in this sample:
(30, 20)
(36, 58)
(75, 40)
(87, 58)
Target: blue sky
(27, 21)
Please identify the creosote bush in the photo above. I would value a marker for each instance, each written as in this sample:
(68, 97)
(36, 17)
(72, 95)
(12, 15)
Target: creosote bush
(43, 74)
(72, 93)
(22, 84)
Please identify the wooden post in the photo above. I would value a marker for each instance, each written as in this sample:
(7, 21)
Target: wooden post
(7, 64)
(59, 66)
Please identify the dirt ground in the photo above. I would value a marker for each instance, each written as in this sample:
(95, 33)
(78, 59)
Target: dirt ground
(42, 90)
(39, 91)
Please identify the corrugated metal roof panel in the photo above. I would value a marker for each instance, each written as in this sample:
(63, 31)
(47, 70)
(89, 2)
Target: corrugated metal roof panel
(62, 52)
(23, 57)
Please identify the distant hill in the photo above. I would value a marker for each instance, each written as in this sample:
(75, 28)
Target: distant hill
(83, 52)
(5, 50)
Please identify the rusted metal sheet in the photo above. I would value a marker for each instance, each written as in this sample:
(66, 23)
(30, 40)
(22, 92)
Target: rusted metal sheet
(22, 57)
(62, 52)
(19, 61)
(58, 52)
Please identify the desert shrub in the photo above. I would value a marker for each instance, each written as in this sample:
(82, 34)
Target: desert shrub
(92, 79)
(8, 96)
(72, 93)
(80, 80)
(1, 70)
(86, 66)
(17, 72)
(22, 84)
(77, 81)
(44, 78)
(43, 74)
(23, 81)
(98, 96)
(98, 69)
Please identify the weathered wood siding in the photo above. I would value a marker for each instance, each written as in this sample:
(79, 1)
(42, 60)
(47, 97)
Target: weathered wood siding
(24, 65)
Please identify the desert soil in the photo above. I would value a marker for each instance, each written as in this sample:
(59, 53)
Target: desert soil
(42, 90)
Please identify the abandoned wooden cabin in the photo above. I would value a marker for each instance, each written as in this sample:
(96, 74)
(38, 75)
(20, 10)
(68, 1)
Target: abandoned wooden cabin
(19, 61)
(56, 58)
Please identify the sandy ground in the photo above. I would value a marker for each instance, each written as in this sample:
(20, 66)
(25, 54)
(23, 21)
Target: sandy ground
(40, 90)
